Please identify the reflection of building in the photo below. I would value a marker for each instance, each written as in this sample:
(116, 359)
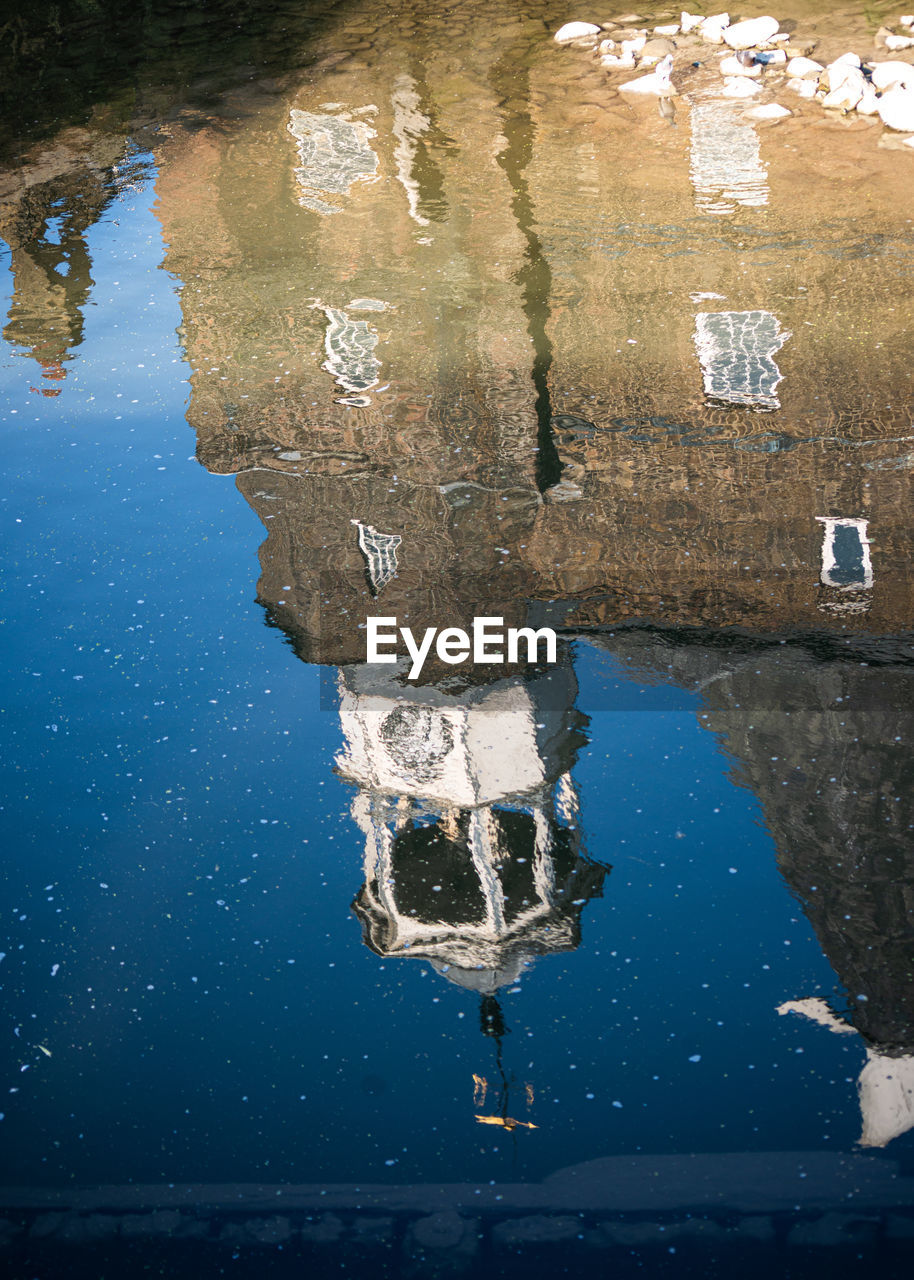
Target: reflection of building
(472, 846)
(539, 291)
(457, 347)
(44, 218)
(823, 740)
(537, 337)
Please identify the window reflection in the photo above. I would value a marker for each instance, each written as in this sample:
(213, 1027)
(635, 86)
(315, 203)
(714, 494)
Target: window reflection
(725, 162)
(847, 568)
(736, 350)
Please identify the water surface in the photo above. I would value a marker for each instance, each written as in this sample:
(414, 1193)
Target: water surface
(425, 321)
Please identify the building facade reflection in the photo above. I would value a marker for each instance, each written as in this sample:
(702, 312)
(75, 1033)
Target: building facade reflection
(824, 745)
(447, 343)
(46, 212)
(522, 401)
(532, 430)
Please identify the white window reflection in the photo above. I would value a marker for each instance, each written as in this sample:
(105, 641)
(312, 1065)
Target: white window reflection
(350, 346)
(334, 153)
(380, 552)
(410, 123)
(725, 165)
(846, 560)
(847, 568)
(736, 350)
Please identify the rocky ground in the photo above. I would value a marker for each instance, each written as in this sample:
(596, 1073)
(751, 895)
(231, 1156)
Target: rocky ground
(770, 64)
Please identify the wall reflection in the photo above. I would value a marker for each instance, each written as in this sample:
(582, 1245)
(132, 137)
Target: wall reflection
(46, 211)
(447, 344)
(823, 743)
(460, 356)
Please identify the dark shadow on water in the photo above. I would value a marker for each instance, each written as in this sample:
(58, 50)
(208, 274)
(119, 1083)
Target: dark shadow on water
(57, 61)
(511, 81)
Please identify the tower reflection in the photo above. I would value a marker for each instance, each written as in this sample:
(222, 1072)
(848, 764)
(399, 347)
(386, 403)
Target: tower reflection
(473, 849)
(474, 859)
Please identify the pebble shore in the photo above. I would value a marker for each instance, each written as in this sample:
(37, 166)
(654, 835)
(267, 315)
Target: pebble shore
(771, 68)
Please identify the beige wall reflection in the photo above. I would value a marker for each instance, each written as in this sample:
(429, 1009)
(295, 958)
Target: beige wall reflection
(540, 282)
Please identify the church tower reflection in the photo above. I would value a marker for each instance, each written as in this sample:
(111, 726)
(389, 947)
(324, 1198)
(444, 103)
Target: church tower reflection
(474, 860)
(473, 850)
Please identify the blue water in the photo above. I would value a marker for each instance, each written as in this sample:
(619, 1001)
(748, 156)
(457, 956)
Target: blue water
(186, 993)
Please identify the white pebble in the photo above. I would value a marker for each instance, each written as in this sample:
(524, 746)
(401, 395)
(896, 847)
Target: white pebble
(847, 94)
(896, 108)
(576, 31)
(748, 34)
(885, 74)
(804, 68)
(712, 29)
(740, 87)
(805, 88)
(869, 102)
(731, 66)
(770, 111)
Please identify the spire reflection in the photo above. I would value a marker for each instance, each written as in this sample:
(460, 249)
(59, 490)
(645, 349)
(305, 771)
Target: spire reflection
(473, 851)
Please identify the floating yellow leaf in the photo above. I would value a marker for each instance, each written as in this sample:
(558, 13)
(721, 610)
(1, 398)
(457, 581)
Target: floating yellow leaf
(480, 1087)
(505, 1122)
